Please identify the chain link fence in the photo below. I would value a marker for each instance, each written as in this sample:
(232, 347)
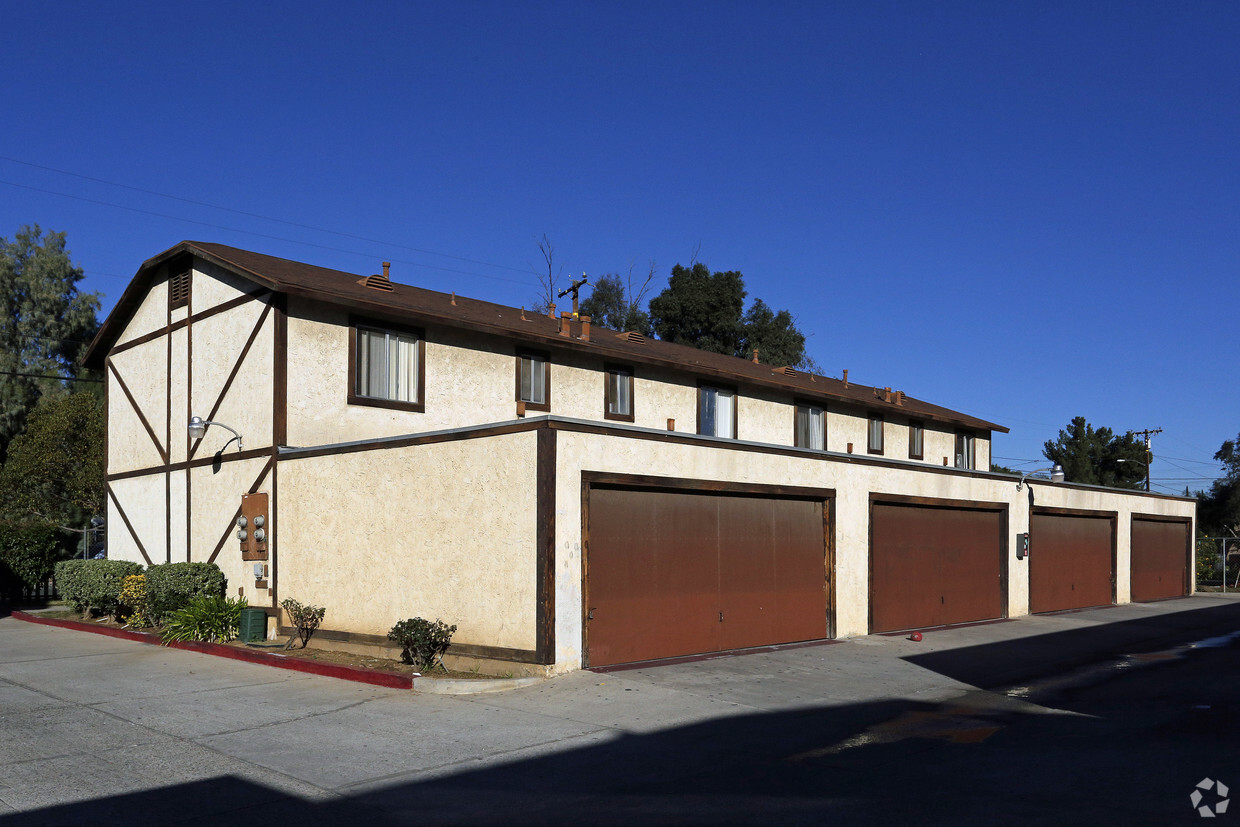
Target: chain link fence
(1218, 564)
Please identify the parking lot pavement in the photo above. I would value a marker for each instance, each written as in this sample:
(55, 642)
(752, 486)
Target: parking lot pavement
(97, 729)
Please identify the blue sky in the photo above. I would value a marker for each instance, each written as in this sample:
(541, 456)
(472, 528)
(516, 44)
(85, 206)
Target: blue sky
(1026, 211)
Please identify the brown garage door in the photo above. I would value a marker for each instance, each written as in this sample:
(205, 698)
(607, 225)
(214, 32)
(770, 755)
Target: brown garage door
(671, 573)
(1159, 559)
(1070, 562)
(932, 566)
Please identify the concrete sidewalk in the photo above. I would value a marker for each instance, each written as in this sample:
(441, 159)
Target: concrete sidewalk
(96, 730)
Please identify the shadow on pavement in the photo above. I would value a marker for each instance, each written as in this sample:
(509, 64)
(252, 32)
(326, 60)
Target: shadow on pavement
(1004, 663)
(1129, 750)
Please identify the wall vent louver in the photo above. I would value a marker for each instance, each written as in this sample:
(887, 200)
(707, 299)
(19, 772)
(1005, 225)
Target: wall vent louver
(787, 370)
(376, 283)
(632, 336)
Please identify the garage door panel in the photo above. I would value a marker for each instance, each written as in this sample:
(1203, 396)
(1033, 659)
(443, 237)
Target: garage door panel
(655, 596)
(1070, 562)
(1159, 559)
(934, 566)
(800, 571)
(662, 566)
(747, 598)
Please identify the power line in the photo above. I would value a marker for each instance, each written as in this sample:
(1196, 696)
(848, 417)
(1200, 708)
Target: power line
(265, 235)
(46, 376)
(184, 200)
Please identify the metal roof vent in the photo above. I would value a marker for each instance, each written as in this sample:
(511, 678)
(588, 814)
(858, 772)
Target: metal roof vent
(377, 282)
(787, 370)
(632, 337)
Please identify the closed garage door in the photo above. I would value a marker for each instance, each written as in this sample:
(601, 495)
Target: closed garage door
(1159, 559)
(1070, 562)
(671, 573)
(932, 566)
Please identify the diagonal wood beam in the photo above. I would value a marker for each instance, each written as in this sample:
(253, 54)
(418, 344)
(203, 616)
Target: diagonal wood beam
(163, 452)
(219, 400)
(128, 525)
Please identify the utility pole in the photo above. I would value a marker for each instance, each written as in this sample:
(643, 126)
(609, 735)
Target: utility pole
(573, 288)
(1146, 434)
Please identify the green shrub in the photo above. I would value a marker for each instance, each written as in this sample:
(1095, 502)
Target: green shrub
(171, 586)
(28, 553)
(422, 642)
(210, 618)
(306, 618)
(94, 585)
(134, 610)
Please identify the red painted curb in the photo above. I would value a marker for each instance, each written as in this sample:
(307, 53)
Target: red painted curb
(375, 677)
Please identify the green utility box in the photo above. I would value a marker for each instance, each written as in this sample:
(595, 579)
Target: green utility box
(253, 626)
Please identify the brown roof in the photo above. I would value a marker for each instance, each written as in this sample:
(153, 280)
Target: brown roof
(414, 304)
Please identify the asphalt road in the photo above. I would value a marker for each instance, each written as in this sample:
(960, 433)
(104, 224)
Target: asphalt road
(1104, 716)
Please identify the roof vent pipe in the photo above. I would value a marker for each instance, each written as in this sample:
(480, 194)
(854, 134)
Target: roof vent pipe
(755, 356)
(551, 311)
(566, 320)
(585, 328)
(845, 377)
(387, 265)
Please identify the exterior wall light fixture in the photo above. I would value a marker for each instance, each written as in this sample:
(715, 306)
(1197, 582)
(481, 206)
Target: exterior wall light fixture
(198, 429)
(1056, 474)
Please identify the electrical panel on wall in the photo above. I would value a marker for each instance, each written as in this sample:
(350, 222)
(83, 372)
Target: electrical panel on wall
(253, 527)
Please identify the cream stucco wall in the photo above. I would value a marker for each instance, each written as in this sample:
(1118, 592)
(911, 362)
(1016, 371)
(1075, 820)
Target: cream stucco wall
(143, 369)
(853, 482)
(443, 530)
(144, 501)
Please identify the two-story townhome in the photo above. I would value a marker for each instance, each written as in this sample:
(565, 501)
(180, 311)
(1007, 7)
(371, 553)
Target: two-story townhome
(567, 495)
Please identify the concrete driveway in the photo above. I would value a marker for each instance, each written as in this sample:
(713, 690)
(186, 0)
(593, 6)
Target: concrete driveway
(1101, 715)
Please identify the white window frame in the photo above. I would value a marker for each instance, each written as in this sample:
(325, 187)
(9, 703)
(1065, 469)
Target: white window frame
(716, 406)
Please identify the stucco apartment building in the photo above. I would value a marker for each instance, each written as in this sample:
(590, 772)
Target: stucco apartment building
(567, 495)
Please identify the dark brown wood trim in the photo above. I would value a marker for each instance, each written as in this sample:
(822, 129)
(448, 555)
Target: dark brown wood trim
(177, 325)
(828, 534)
(128, 525)
(353, 398)
(1074, 512)
(797, 404)
(279, 374)
(189, 399)
(236, 368)
(526, 353)
(168, 433)
(736, 404)
(920, 426)
(938, 502)
(545, 546)
(424, 439)
(197, 463)
(274, 533)
(585, 573)
(232, 523)
(163, 453)
(1159, 518)
(606, 479)
(622, 370)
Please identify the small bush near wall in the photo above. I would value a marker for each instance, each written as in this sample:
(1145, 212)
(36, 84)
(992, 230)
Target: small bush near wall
(134, 610)
(94, 585)
(305, 618)
(422, 642)
(171, 586)
(210, 618)
(28, 553)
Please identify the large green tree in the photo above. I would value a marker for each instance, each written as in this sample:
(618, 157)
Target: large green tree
(1098, 457)
(45, 323)
(616, 305)
(707, 310)
(54, 472)
(1218, 511)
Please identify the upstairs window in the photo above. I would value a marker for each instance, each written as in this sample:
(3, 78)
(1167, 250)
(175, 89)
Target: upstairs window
(916, 440)
(534, 381)
(876, 434)
(964, 451)
(811, 427)
(618, 394)
(717, 411)
(386, 367)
